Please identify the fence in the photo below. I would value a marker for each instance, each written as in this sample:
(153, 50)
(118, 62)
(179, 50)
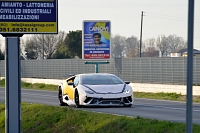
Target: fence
(165, 70)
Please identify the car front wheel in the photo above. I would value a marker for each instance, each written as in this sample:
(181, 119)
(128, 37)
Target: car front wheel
(76, 99)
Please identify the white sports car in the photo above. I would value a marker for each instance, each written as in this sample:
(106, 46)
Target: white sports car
(95, 89)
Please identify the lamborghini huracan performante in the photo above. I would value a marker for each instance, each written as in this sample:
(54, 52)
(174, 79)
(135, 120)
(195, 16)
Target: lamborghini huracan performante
(95, 89)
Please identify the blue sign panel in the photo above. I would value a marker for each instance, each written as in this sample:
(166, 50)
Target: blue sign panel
(96, 39)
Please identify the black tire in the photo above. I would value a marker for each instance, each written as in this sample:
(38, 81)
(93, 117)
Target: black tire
(76, 99)
(60, 98)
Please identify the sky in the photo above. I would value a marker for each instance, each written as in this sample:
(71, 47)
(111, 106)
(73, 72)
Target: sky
(161, 17)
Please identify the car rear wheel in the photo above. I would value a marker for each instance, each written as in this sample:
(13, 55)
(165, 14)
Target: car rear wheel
(60, 98)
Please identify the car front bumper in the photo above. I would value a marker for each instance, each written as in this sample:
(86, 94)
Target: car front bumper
(107, 100)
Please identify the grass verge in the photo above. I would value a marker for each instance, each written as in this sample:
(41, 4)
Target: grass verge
(39, 118)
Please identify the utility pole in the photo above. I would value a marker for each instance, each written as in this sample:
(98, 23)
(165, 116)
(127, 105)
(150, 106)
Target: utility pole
(141, 34)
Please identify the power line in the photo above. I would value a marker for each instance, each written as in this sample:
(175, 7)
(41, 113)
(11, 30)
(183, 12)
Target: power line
(165, 15)
(154, 15)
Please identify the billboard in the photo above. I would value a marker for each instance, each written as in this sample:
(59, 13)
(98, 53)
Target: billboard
(28, 16)
(96, 39)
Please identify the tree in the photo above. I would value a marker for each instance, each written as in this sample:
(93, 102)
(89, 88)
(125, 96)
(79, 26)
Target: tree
(43, 45)
(54, 42)
(31, 49)
(73, 41)
(0, 45)
(132, 46)
(175, 42)
(162, 44)
(1, 55)
(150, 42)
(184, 45)
(61, 51)
(50, 42)
(117, 47)
(22, 48)
(151, 52)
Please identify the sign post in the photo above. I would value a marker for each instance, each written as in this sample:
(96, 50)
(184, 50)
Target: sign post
(19, 17)
(96, 64)
(189, 106)
(13, 85)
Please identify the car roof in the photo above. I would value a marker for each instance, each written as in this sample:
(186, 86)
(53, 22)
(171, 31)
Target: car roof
(83, 74)
(93, 74)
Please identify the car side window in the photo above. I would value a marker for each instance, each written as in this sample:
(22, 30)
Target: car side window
(70, 80)
(76, 81)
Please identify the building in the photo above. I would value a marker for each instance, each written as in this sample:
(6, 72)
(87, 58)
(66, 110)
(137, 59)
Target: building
(151, 54)
(183, 53)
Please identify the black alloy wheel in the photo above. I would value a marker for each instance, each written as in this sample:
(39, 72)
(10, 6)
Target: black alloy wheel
(76, 99)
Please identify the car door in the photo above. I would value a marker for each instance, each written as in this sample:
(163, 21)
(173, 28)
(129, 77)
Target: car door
(71, 89)
(68, 88)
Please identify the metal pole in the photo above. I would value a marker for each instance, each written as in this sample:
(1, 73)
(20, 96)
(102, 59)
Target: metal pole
(190, 66)
(43, 46)
(141, 34)
(96, 68)
(96, 64)
(13, 85)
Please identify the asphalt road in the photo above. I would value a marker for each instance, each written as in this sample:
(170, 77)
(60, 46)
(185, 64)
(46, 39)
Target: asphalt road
(146, 108)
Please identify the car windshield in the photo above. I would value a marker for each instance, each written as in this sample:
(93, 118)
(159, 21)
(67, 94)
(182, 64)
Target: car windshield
(101, 79)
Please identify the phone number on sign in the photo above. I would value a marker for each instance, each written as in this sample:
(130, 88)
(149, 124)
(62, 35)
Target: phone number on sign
(18, 30)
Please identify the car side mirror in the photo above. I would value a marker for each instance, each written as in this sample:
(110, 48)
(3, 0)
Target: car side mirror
(127, 82)
(70, 83)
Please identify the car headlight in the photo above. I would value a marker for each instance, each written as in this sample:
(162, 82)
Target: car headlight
(126, 91)
(89, 92)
